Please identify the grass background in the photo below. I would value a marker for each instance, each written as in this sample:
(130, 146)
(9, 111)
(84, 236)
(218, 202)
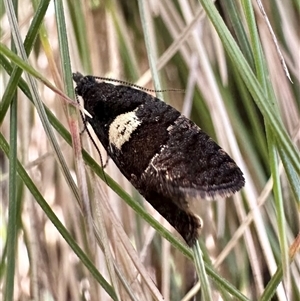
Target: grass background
(64, 234)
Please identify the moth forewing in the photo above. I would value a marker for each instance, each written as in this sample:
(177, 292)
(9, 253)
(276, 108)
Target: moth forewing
(164, 155)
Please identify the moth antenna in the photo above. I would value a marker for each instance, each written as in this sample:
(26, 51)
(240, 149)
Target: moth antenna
(136, 86)
(85, 128)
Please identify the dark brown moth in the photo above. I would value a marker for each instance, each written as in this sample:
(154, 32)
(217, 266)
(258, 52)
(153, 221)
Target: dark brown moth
(165, 156)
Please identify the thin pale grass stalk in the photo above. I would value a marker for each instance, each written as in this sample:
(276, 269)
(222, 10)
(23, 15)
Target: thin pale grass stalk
(99, 221)
(191, 83)
(169, 53)
(276, 279)
(32, 71)
(268, 252)
(220, 56)
(252, 84)
(74, 128)
(38, 103)
(150, 44)
(248, 237)
(28, 44)
(34, 247)
(290, 33)
(121, 33)
(131, 252)
(101, 240)
(149, 236)
(199, 264)
(285, 94)
(259, 64)
(57, 223)
(182, 47)
(120, 274)
(113, 36)
(250, 243)
(282, 61)
(241, 230)
(166, 269)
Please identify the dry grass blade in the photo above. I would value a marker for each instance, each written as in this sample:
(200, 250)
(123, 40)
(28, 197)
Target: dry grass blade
(118, 246)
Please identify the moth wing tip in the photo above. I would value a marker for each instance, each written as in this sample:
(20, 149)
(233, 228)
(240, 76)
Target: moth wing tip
(212, 193)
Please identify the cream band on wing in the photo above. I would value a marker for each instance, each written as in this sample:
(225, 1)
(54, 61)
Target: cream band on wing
(122, 127)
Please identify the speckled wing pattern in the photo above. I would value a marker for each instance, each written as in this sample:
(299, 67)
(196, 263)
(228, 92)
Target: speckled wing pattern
(166, 157)
(191, 163)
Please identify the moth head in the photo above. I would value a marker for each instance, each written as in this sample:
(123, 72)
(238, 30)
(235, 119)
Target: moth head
(94, 95)
(84, 83)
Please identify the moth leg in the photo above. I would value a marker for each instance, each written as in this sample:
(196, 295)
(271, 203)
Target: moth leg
(106, 161)
(84, 122)
(82, 131)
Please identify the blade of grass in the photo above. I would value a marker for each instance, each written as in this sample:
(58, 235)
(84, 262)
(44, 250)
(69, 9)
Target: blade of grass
(125, 45)
(291, 173)
(37, 101)
(230, 8)
(252, 84)
(200, 267)
(32, 71)
(149, 41)
(277, 277)
(80, 30)
(28, 45)
(12, 184)
(261, 74)
(12, 217)
(178, 67)
(57, 223)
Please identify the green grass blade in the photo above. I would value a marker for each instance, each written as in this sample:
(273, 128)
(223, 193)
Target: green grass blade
(200, 267)
(12, 219)
(252, 83)
(57, 223)
(272, 145)
(28, 45)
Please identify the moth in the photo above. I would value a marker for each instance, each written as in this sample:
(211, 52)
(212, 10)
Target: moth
(164, 155)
